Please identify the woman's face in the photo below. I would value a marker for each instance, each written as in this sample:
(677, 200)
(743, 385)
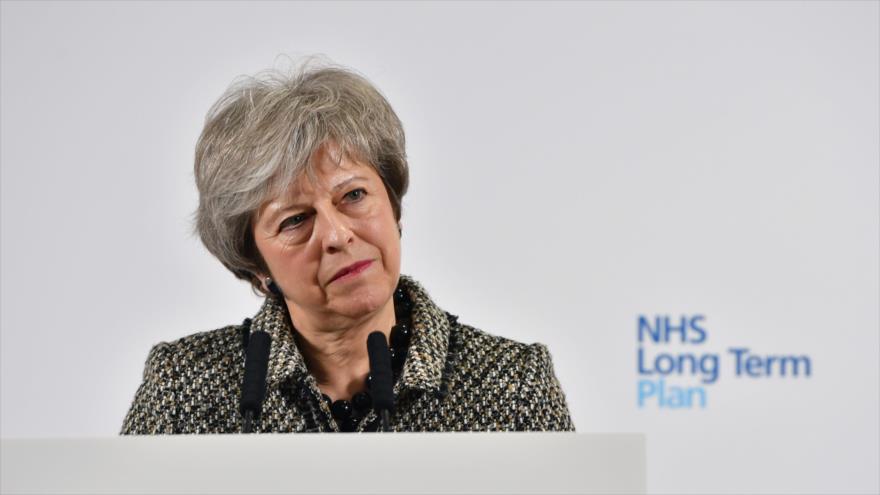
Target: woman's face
(332, 244)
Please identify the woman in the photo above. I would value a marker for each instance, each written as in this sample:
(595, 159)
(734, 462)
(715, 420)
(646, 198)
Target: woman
(300, 183)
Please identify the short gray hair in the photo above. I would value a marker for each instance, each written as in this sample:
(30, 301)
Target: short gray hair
(260, 136)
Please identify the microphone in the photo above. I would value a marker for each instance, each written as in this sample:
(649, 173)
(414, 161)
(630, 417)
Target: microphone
(253, 387)
(382, 378)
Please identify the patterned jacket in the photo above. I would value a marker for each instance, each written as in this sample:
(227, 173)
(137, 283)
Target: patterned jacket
(455, 378)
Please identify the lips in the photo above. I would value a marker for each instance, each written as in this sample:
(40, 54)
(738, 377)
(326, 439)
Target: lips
(352, 269)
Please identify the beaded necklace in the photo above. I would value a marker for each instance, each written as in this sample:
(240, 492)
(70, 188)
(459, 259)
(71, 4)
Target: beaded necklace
(348, 413)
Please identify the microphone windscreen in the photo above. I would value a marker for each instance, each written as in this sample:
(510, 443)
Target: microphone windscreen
(253, 387)
(381, 385)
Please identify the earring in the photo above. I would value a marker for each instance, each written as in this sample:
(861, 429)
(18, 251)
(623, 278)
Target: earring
(273, 287)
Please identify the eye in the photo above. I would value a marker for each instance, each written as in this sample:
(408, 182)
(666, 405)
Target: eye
(356, 194)
(292, 221)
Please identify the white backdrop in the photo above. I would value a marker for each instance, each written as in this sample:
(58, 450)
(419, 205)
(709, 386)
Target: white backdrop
(574, 166)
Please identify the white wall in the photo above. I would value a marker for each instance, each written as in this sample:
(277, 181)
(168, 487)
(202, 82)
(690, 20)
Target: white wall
(574, 166)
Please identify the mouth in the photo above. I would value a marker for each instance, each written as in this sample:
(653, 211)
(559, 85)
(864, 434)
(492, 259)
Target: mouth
(351, 270)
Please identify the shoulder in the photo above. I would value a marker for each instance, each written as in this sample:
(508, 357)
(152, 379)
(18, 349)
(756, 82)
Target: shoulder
(177, 371)
(507, 370)
(209, 353)
(221, 344)
(476, 345)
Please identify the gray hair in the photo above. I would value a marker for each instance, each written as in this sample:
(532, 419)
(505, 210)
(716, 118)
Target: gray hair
(260, 136)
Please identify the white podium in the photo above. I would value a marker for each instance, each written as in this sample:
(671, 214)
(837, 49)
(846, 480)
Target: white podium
(410, 463)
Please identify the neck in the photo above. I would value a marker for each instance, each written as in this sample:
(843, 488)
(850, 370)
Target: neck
(336, 352)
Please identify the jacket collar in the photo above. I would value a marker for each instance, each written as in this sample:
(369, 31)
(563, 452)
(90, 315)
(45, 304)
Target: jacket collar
(426, 355)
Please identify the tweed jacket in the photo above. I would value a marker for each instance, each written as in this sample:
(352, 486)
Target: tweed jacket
(455, 378)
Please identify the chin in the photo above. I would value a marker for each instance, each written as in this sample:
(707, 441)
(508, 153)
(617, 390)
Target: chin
(363, 301)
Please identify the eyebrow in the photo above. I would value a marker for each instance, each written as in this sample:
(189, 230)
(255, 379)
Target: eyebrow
(347, 182)
(291, 206)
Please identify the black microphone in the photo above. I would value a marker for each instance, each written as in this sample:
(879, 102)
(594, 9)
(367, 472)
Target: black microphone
(253, 387)
(382, 379)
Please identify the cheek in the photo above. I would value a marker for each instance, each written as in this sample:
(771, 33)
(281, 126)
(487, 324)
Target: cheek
(274, 254)
(391, 247)
(381, 231)
(290, 265)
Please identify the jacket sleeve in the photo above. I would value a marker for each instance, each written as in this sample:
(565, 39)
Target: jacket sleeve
(154, 409)
(542, 404)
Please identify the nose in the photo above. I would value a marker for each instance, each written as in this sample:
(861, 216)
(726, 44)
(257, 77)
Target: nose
(334, 231)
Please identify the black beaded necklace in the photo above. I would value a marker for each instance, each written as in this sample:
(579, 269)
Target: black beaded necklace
(348, 413)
